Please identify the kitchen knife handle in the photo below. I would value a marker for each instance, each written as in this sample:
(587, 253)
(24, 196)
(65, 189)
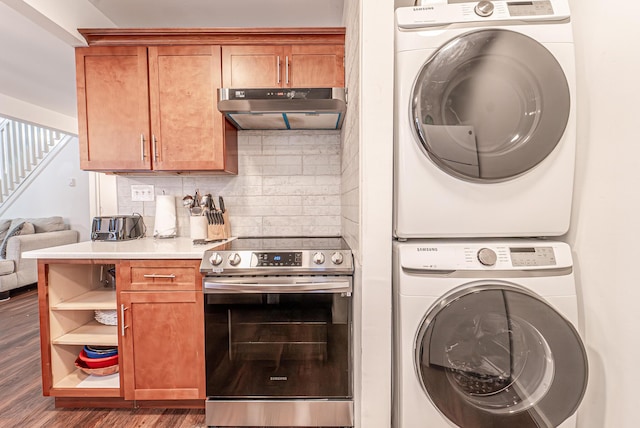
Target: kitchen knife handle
(155, 148)
(278, 69)
(144, 155)
(286, 70)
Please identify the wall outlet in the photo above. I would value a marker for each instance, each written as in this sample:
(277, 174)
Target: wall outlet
(142, 192)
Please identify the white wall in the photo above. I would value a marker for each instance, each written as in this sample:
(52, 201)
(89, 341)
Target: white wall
(50, 192)
(606, 222)
(376, 189)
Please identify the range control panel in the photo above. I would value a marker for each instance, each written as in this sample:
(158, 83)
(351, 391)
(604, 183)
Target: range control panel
(279, 259)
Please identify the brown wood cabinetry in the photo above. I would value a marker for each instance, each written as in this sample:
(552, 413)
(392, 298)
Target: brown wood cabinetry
(69, 293)
(162, 330)
(273, 66)
(152, 109)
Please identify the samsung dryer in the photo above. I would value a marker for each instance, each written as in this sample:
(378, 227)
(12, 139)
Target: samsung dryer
(484, 119)
(485, 335)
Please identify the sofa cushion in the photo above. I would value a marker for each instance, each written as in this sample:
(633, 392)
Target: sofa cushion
(47, 224)
(7, 267)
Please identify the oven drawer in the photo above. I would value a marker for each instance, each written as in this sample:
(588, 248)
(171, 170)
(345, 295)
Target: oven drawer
(160, 275)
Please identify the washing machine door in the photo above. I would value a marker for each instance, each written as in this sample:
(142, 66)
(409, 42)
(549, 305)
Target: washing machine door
(493, 354)
(490, 105)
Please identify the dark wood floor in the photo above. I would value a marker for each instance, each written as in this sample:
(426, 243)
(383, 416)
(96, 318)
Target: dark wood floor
(21, 401)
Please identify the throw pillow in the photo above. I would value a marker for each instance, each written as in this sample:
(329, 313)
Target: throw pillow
(13, 231)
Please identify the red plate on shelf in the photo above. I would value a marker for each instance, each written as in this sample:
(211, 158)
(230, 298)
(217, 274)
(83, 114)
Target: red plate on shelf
(97, 363)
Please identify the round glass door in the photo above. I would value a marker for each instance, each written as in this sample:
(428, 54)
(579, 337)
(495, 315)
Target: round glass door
(490, 105)
(494, 354)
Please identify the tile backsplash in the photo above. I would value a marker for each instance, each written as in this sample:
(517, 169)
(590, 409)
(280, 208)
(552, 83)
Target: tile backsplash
(288, 184)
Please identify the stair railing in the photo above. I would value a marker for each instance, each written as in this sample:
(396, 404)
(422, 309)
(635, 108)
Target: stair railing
(23, 148)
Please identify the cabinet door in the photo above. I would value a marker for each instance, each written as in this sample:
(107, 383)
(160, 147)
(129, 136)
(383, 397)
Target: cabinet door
(187, 128)
(315, 66)
(162, 354)
(254, 66)
(113, 108)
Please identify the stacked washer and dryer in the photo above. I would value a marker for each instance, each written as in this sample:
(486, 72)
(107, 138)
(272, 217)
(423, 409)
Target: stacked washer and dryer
(485, 305)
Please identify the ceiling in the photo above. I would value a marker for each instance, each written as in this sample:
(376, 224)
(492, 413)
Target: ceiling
(37, 37)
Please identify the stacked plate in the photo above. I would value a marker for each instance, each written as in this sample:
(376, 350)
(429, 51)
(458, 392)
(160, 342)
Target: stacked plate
(98, 360)
(107, 317)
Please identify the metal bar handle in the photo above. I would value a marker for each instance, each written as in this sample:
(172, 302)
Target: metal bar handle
(142, 151)
(278, 68)
(333, 286)
(158, 275)
(286, 69)
(155, 148)
(122, 324)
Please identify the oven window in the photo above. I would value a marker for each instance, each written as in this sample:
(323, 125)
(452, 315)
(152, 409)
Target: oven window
(278, 345)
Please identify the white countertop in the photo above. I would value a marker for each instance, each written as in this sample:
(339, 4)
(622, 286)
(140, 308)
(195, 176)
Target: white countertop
(145, 248)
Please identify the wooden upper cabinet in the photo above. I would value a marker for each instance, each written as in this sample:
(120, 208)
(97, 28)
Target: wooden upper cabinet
(290, 66)
(113, 108)
(152, 109)
(187, 128)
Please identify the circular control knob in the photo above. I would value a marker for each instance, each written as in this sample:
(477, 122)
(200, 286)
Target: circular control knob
(318, 258)
(215, 259)
(337, 258)
(234, 259)
(487, 256)
(484, 8)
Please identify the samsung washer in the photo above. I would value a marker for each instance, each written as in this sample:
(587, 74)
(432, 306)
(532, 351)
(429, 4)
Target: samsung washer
(484, 119)
(486, 335)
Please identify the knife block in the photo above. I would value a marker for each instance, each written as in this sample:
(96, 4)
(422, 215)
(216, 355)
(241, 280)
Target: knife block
(220, 231)
(226, 225)
(215, 231)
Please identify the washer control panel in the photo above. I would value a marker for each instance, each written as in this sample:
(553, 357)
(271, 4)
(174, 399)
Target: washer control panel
(488, 255)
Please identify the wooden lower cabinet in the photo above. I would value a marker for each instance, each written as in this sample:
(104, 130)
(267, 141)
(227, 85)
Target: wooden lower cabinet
(162, 349)
(160, 331)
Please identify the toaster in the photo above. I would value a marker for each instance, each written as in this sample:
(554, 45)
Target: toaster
(117, 228)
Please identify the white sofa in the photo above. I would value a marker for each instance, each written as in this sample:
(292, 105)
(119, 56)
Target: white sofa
(19, 235)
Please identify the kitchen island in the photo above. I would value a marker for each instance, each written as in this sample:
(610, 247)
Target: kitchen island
(154, 287)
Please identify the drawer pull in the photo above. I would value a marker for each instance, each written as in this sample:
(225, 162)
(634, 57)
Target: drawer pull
(157, 275)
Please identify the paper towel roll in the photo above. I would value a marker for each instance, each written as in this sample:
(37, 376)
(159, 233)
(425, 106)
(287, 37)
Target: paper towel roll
(198, 226)
(165, 223)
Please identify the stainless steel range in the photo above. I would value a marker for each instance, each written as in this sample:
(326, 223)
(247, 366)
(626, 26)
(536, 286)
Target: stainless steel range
(278, 333)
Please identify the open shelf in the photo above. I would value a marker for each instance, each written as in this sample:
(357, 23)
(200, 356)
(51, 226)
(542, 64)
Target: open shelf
(79, 379)
(103, 299)
(92, 333)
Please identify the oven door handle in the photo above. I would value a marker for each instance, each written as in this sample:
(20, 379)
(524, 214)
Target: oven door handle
(294, 287)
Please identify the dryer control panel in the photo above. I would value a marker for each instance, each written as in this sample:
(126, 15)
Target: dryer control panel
(532, 256)
(438, 14)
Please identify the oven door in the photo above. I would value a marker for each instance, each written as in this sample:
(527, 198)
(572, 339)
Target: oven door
(278, 338)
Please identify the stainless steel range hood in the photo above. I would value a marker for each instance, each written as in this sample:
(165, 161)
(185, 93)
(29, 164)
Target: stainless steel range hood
(281, 108)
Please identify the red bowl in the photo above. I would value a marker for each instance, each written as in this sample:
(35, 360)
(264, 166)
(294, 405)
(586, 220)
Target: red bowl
(96, 363)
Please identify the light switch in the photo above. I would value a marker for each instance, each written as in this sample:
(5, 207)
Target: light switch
(142, 192)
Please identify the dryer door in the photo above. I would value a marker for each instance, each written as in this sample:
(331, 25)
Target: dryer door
(494, 354)
(490, 105)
